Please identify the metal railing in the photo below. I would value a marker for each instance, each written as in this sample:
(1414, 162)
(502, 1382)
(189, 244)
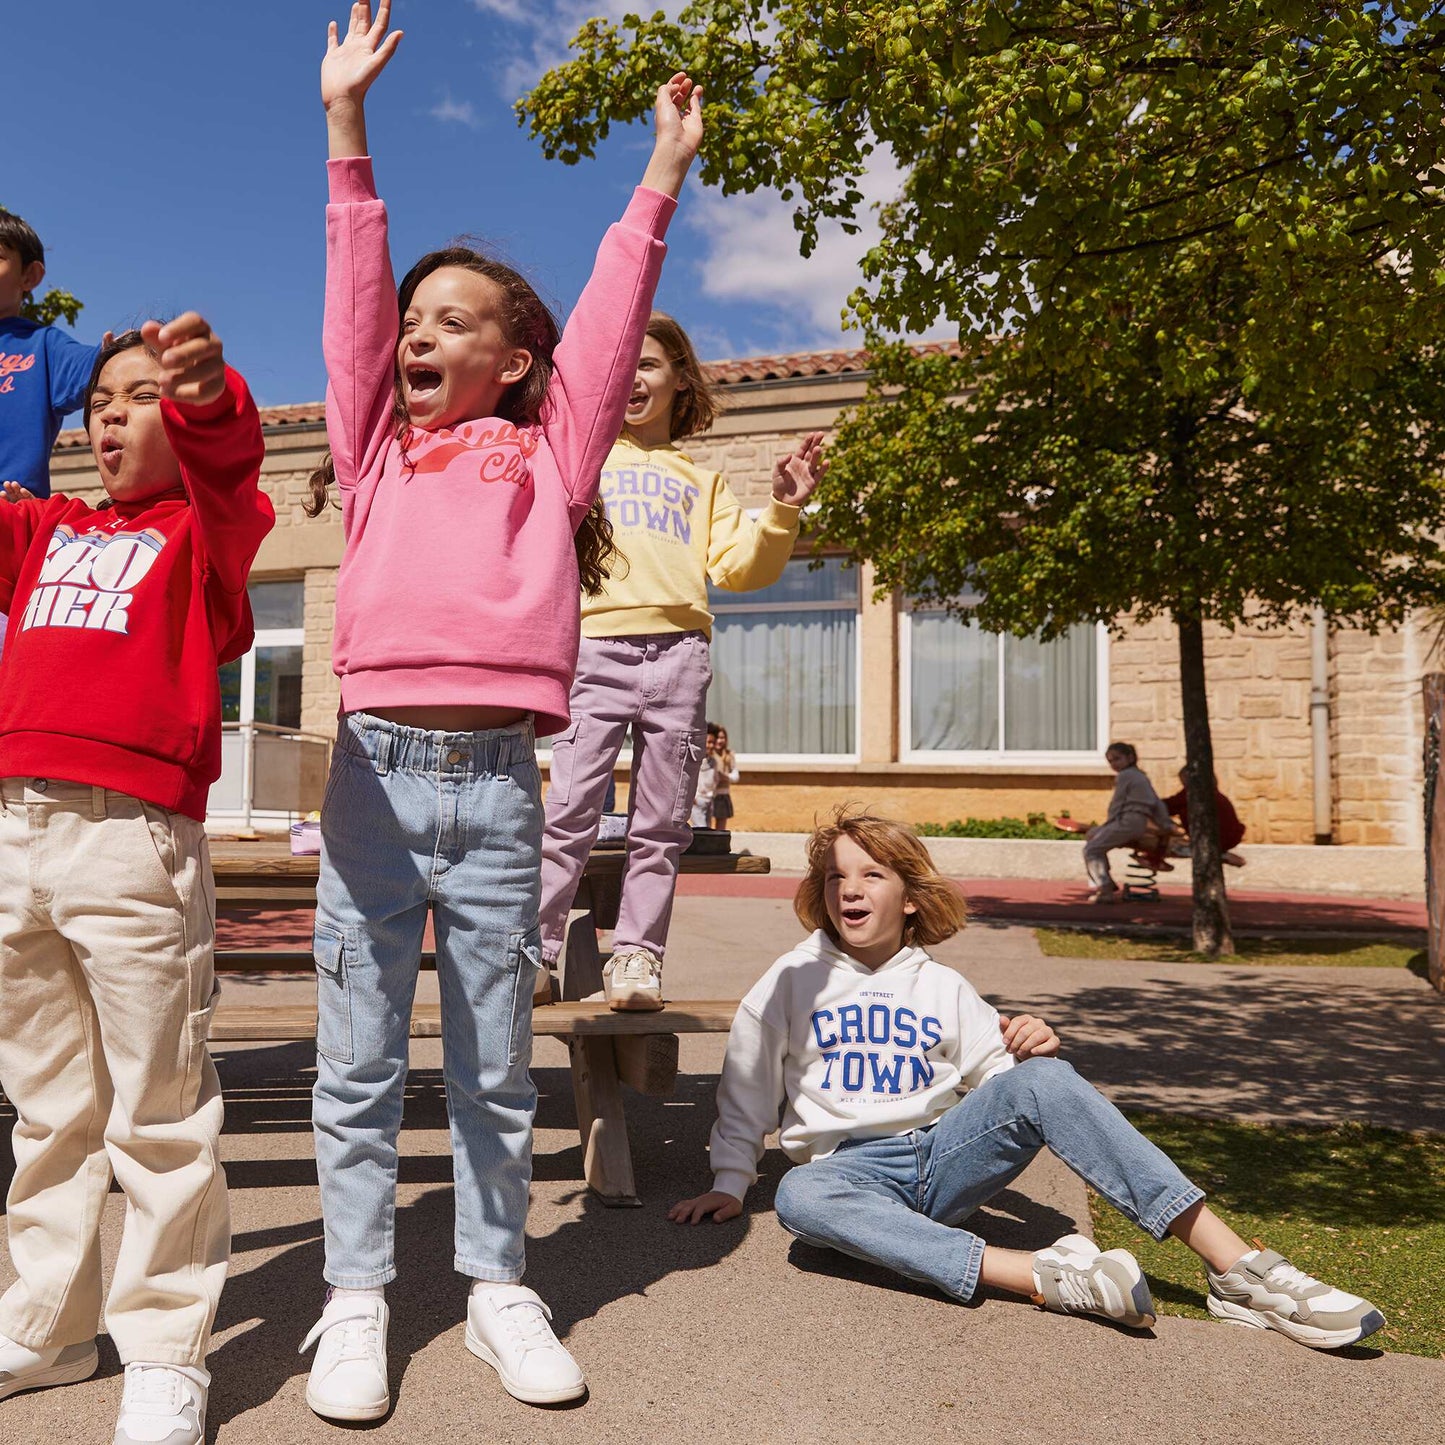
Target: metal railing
(282, 770)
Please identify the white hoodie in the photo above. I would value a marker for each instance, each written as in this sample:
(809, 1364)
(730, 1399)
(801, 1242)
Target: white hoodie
(841, 1051)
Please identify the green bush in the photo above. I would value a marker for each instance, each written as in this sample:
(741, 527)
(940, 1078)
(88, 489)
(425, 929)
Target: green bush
(1036, 825)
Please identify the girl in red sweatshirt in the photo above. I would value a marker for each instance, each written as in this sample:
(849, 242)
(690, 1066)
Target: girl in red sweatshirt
(110, 737)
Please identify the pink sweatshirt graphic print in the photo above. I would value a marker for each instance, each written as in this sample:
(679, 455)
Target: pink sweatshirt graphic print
(459, 581)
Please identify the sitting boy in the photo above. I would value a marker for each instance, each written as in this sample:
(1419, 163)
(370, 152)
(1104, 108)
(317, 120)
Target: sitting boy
(907, 1103)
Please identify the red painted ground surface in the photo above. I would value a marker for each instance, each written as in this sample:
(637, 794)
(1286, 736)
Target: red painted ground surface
(1012, 899)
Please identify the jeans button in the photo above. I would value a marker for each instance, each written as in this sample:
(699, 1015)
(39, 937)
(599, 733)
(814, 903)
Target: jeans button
(41, 784)
(454, 756)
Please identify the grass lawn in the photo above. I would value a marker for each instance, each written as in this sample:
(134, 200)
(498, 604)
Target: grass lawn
(1360, 1208)
(1316, 952)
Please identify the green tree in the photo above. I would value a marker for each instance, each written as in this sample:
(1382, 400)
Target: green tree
(1196, 256)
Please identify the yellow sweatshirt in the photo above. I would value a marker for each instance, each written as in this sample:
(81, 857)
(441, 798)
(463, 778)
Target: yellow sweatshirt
(678, 526)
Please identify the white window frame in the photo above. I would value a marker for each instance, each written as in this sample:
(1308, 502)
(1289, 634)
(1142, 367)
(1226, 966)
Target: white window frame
(999, 759)
(810, 759)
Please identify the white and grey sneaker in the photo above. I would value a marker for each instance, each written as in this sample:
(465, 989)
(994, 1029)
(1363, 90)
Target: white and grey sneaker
(348, 1375)
(632, 980)
(163, 1405)
(509, 1328)
(1074, 1277)
(22, 1368)
(1264, 1291)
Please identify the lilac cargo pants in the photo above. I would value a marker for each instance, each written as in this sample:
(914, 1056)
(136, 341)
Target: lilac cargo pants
(657, 685)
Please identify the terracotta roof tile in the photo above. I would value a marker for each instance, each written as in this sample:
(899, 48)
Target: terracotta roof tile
(793, 366)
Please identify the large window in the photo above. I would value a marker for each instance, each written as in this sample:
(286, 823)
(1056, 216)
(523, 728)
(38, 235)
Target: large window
(265, 685)
(785, 663)
(986, 696)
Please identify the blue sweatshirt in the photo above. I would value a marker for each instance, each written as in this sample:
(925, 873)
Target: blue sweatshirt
(43, 373)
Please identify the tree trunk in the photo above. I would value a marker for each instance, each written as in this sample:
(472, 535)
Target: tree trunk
(1211, 906)
(1435, 826)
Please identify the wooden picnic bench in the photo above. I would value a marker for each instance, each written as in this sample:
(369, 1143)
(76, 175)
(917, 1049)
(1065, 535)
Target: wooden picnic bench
(606, 1049)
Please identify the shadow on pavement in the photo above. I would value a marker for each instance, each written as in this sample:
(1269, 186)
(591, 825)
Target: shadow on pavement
(1311, 1046)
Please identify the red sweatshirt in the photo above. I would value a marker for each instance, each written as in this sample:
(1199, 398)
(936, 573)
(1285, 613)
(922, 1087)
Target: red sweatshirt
(121, 617)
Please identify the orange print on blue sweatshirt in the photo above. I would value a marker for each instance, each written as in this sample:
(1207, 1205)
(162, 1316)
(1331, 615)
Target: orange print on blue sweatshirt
(89, 579)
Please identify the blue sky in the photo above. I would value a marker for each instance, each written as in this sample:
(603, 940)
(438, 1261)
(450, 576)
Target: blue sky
(171, 155)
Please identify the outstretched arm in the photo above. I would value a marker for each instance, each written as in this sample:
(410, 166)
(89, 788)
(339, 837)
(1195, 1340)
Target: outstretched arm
(358, 333)
(350, 65)
(596, 359)
(215, 431)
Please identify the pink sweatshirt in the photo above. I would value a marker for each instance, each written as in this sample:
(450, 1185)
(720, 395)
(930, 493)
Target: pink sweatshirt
(459, 581)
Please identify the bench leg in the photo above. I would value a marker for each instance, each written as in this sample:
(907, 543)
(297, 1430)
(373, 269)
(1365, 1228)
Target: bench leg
(606, 1154)
(648, 1062)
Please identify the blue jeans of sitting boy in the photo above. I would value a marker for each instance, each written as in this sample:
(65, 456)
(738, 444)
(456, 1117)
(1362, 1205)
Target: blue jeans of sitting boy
(895, 1201)
(451, 823)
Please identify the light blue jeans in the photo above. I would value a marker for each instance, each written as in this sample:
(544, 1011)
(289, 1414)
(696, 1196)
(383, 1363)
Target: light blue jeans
(416, 821)
(896, 1202)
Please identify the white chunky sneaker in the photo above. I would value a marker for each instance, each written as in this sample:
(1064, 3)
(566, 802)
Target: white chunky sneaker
(1075, 1277)
(508, 1328)
(1266, 1292)
(632, 980)
(348, 1375)
(163, 1405)
(22, 1368)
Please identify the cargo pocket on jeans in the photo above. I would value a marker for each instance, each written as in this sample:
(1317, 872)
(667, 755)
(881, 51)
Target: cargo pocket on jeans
(198, 1033)
(524, 958)
(564, 758)
(688, 760)
(333, 993)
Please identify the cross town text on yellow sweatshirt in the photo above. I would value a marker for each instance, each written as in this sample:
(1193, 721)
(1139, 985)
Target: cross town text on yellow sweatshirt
(678, 526)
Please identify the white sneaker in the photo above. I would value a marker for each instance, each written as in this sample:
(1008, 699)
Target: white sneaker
(163, 1405)
(1265, 1291)
(633, 980)
(1074, 1276)
(348, 1375)
(22, 1368)
(508, 1328)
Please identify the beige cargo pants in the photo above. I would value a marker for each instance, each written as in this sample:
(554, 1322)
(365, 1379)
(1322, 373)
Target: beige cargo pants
(107, 984)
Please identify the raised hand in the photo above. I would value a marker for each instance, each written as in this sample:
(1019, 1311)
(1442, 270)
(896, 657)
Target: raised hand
(678, 123)
(193, 370)
(350, 65)
(17, 492)
(796, 474)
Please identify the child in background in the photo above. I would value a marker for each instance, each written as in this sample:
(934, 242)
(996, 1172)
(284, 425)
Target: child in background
(707, 779)
(110, 737)
(892, 1160)
(43, 370)
(1231, 829)
(1136, 817)
(725, 768)
(467, 440)
(644, 658)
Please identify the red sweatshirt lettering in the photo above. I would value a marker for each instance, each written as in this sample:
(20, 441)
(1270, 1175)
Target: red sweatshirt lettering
(120, 617)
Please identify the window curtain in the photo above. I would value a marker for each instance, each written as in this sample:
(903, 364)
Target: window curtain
(1050, 688)
(954, 667)
(1049, 692)
(785, 684)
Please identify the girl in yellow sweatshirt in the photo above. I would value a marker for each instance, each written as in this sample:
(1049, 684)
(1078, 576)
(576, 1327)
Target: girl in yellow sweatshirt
(643, 661)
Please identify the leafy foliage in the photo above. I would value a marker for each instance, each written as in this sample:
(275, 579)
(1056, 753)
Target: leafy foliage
(1036, 825)
(1194, 253)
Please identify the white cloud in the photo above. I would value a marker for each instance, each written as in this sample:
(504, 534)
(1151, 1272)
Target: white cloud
(543, 29)
(456, 112)
(751, 258)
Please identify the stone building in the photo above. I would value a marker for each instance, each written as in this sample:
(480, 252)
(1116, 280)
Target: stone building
(830, 693)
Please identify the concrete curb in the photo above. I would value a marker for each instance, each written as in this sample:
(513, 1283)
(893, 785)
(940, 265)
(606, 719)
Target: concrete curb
(1383, 872)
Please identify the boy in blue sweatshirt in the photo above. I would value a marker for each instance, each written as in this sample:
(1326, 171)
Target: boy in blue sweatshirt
(43, 372)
